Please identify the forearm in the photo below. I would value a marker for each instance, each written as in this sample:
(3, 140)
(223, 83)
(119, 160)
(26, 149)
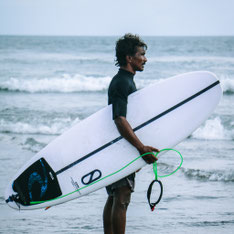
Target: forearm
(127, 132)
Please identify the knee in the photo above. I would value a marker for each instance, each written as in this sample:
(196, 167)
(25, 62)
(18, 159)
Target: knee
(121, 203)
(122, 198)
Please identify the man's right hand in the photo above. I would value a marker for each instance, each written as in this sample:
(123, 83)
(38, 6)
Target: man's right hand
(149, 158)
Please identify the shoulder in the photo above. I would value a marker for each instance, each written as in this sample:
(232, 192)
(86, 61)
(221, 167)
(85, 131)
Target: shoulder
(119, 83)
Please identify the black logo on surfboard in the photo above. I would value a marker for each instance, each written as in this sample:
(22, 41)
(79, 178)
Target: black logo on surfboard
(91, 177)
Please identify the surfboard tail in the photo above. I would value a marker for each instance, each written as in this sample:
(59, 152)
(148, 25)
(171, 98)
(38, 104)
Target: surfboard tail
(36, 184)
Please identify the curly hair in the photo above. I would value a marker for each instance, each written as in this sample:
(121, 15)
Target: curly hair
(127, 45)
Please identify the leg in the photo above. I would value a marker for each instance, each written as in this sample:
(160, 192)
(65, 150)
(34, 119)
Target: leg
(107, 216)
(121, 201)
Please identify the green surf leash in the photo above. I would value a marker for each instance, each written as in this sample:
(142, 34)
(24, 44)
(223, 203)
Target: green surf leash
(154, 169)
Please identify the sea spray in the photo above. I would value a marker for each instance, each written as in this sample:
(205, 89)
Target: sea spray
(213, 129)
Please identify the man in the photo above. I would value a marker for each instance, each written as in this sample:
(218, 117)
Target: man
(130, 57)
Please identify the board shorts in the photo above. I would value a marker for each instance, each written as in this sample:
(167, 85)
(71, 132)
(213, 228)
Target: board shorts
(127, 181)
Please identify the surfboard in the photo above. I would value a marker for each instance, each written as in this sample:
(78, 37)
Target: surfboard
(90, 155)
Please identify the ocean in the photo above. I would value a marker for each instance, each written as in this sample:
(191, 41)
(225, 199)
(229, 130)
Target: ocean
(48, 84)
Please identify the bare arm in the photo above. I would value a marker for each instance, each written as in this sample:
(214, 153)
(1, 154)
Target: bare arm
(127, 132)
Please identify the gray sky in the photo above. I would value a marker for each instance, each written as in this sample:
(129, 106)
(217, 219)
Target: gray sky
(116, 17)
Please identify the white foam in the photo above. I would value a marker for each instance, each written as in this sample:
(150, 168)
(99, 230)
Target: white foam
(227, 85)
(66, 84)
(213, 130)
(57, 127)
(212, 175)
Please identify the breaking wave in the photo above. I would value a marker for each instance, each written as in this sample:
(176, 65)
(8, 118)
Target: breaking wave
(213, 129)
(55, 128)
(80, 83)
(65, 84)
(227, 85)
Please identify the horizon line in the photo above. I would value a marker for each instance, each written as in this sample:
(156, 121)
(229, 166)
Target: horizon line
(105, 35)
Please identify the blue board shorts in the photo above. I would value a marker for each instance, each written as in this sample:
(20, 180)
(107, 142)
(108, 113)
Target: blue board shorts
(127, 181)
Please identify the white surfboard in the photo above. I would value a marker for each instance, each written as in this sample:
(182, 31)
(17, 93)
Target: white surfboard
(89, 156)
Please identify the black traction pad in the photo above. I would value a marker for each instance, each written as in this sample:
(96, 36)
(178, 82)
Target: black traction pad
(37, 183)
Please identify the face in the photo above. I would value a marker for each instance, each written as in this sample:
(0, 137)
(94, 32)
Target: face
(138, 60)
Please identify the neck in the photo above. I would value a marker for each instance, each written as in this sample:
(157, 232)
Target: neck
(128, 68)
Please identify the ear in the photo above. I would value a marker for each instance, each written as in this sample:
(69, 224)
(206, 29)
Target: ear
(128, 58)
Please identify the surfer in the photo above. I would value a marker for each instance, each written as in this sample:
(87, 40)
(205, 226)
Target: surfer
(130, 57)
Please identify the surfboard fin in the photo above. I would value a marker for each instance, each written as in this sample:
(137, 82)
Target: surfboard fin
(14, 198)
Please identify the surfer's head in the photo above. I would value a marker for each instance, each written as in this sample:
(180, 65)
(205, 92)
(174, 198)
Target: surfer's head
(130, 51)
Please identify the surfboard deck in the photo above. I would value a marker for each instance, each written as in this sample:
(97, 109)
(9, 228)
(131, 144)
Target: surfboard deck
(88, 156)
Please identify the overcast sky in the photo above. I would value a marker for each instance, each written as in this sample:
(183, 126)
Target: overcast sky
(116, 17)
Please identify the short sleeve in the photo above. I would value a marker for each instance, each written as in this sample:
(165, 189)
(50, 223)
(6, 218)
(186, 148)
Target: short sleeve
(119, 100)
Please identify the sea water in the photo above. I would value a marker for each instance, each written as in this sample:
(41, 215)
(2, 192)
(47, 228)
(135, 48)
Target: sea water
(48, 84)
